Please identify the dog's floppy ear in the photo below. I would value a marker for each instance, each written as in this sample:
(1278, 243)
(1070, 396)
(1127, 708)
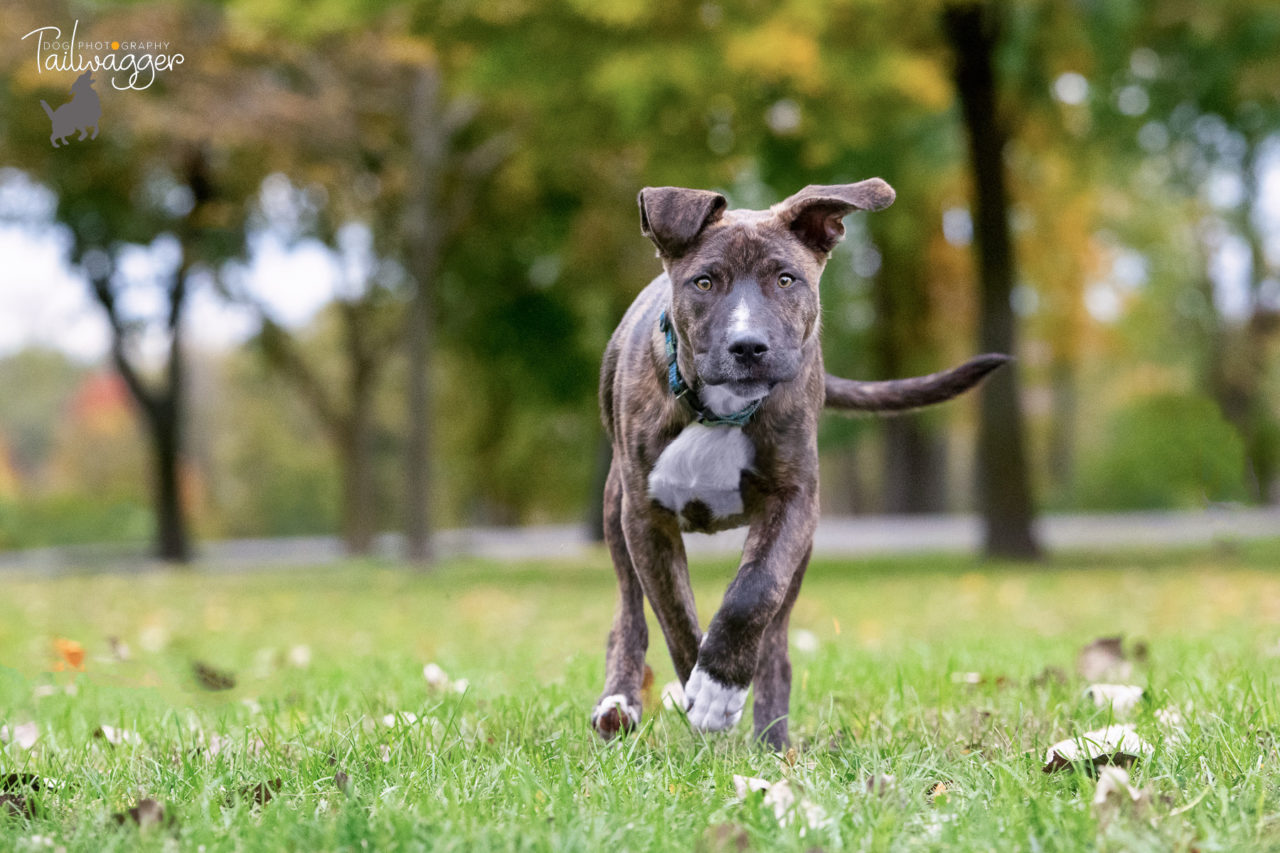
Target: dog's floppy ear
(814, 214)
(673, 217)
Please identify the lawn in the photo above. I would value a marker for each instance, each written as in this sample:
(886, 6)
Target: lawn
(324, 734)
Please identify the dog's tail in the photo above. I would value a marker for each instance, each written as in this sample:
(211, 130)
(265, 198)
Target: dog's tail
(900, 395)
(47, 110)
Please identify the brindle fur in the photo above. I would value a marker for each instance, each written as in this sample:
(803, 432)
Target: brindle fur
(744, 252)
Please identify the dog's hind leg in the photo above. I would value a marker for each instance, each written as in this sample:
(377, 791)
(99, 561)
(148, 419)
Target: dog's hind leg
(95, 131)
(619, 707)
(773, 671)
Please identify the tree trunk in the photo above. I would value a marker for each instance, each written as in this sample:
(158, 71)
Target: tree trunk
(423, 238)
(1003, 482)
(359, 515)
(172, 543)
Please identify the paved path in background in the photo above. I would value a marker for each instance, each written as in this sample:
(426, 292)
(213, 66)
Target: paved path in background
(857, 536)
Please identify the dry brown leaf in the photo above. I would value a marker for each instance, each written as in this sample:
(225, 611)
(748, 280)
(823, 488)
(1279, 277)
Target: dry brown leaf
(24, 735)
(1114, 796)
(119, 648)
(115, 736)
(1120, 698)
(881, 783)
(212, 678)
(70, 653)
(15, 805)
(783, 800)
(262, 792)
(1117, 744)
(1104, 658)
(673, 696)
(725, 838)
(146, 813)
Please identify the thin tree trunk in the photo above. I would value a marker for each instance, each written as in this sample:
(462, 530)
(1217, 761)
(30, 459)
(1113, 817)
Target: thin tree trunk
(172, 542)
(359, 515)
(1003, 481)
(424, 238)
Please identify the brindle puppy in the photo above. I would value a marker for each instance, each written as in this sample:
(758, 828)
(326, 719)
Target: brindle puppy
(710, 391)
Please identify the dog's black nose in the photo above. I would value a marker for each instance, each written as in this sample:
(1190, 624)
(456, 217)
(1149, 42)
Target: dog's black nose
(748, 347)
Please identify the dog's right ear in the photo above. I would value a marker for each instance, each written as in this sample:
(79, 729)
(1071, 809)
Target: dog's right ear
(673, 217)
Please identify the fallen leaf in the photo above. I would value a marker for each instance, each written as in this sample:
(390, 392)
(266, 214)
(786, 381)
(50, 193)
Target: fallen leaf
(1117, 744)
(881, 783)
(1121, 698)
(263, 792)
(804, 640)
(13, 805)
(435, 676)
(724, 838)
(342, 781)
(212, 678)
(146, 813)
(782, 799)
(119, 648)
(24, 735)
(1104, 658)
(116, 737)
(673, 696)
(19, 781)
(646, 688)
(743, 786)
(71, 652)
(1114, 796)
(938, 792)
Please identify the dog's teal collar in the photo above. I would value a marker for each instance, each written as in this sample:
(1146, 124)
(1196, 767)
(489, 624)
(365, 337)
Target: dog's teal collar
(682, 390)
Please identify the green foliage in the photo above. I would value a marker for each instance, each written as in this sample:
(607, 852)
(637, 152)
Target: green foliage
(1163, 452)
(72, 519)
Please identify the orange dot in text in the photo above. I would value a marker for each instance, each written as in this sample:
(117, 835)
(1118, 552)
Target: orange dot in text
(115, 45)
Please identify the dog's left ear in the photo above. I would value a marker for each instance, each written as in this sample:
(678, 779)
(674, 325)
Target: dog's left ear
(815, 213)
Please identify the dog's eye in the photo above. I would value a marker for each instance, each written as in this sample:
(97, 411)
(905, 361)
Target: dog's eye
(785, 281)
(702, 282)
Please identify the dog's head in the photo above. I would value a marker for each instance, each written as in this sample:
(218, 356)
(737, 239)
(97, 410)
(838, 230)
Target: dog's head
(745, 282)
(84, 81)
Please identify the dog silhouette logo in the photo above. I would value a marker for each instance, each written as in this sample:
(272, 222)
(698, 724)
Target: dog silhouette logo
(80, 113)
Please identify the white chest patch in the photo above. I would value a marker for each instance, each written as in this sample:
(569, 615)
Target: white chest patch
(704, 463)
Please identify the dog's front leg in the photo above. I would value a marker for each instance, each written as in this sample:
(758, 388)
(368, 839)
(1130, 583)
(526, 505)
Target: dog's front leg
(657, 553)
(777, 545)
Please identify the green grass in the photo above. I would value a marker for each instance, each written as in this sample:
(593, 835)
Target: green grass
(512, 764)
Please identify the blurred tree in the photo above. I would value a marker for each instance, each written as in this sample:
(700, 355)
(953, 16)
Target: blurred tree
(1004, 480)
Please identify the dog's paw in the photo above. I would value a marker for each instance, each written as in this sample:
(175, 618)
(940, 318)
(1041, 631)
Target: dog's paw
(613, 715)
(711, 705)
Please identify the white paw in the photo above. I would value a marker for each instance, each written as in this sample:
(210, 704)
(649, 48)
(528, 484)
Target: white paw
(626, 716)
(712, 706)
